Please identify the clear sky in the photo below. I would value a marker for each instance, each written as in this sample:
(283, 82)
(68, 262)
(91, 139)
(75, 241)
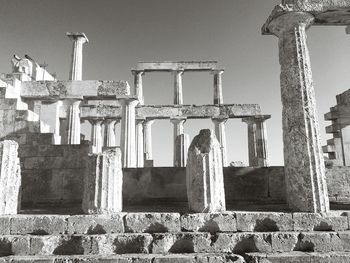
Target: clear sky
(123, 32)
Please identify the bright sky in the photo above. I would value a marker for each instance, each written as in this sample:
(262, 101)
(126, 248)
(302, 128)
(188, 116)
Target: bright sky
(123, 32)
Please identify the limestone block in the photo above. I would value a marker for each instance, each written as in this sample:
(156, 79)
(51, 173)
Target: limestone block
(103, 183)
(4, 225)
(96, 224)
(152, 222)
(204, 174)
(284, 241)
(14, 245)
(213, 222)
(318, 222)
(263, 221)
(319, 242)
(10, 178)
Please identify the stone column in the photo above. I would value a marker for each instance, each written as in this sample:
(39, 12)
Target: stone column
(257, 141)
(96, 135)
(220, 133)
(178, 130)
(139, 143)
(204, 174)
(182, 143)
(218, 98)
(103, 183)
(306, 187)
(127, 137)
(73, 122)
(10, 178)
(56, 139)
(147, 142)
(178, 99)
(109, 137)
(138, 85)
(78, 39)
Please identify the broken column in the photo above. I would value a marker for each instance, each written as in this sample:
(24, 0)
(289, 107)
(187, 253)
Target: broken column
(182, 143)
(78, 39)
(147, 142)
(127, 136)
(178, 130)
(103, 183)
(96, 135)
(138, 85)
(257, 141)
(220, 133)
(73, 122)
(204, 174)
(109, 136)
(139, 143)
(10, 178)
(306, 187)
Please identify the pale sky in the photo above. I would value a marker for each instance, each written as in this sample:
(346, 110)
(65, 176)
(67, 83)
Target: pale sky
(123, 32)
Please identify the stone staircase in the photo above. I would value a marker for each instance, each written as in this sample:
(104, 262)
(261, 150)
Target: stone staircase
(173, 237)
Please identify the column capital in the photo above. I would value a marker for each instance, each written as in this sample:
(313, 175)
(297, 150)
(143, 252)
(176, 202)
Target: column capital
(289, 21)
(109, 121)
(178, 71)
(96, 121)
(132, 101)
(148, 122)
(219, 120)
(77, 36)
(256, 119)
(137, 72)
(178, 120)
(138, 121)
(217, 71)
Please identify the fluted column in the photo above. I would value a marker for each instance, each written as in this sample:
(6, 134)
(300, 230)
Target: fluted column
(109, 136)
(220, 133)
(138, 85)
(147, 142)
(218, 97)
(303, 158)
(257, 141)
(78, 39)
(178, 130)
(127, 137)
(96, 135)
(56, 139)
(139, 143)
(178, 99)
(73, 122)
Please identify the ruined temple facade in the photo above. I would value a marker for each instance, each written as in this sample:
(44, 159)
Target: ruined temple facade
(114, 205)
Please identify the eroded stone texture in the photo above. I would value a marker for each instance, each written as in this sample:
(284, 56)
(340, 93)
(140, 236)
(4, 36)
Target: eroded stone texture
(306, 187)
(212, 222)
(204, 174)
(152, 223)
(10, 178)
(103, 183)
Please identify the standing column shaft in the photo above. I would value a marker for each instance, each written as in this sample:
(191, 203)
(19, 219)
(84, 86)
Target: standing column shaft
(96, 136)
(220, 133)
(73, 123)
(303, 158)
(109, 133)
(139, 143)
(56, 139)
(77, 55)
(178, 130)
(127, 137)
(147, 133)
(218, 97)
(138, 86)
(178, 99)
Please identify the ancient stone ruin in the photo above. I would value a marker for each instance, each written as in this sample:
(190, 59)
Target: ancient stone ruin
(67, 198)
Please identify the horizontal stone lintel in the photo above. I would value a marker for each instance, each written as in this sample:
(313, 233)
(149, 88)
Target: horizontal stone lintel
(330, 12)
(176, 65)
(54, 90)
(175, 111)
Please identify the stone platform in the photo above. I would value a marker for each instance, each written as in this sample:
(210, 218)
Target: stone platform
(174, 237)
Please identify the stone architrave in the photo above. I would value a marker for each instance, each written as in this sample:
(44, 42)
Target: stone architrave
(103, 183)
(76, 70)
(73, 123)
(204, 174)
(306, 187)
(182, 143)
(10, 178)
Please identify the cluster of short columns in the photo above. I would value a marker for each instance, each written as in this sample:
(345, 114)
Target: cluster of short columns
(306, 188)
(98, 139)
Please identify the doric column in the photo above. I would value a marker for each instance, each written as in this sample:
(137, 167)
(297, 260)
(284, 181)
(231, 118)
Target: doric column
(127, 136)
(139, 143)
(138, 85)
(96, 135)
(73, 122)
(56, 139)
(218, 98)
(109, 137)
(306, 187)
(78, 39)
(178, 130)
(220, 134)
(178, 100)
(257, 141)
(147, 141)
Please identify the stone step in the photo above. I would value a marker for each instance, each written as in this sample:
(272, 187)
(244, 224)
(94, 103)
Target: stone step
(149, 258)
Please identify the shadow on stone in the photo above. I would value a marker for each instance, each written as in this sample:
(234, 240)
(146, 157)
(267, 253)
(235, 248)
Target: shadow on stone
(183, 245)
(130, 245)
(96, 230)
(72, 246)
(323, 226)
(245, 246)
(156, 228)
(5, 248)
(39, 232)
(211, 226)
(266, 225)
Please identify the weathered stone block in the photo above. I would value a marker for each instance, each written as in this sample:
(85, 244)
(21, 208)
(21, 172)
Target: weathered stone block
(284, 241)
(319, 242)
(96, 224)
(152, 222)
(318, 222)
(103, 183)
(204, 174)
(263, 222)
(213, 222)
(4, 225)
(14, 245)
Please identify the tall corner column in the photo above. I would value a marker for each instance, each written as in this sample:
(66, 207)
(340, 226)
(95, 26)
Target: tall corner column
(147, 142)
(306, 187)
(139, 143)
(220, 133)
(218, 97)
(138, 86)
(127, 136)
(76, 69)
(73, 122)
(178, 96)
